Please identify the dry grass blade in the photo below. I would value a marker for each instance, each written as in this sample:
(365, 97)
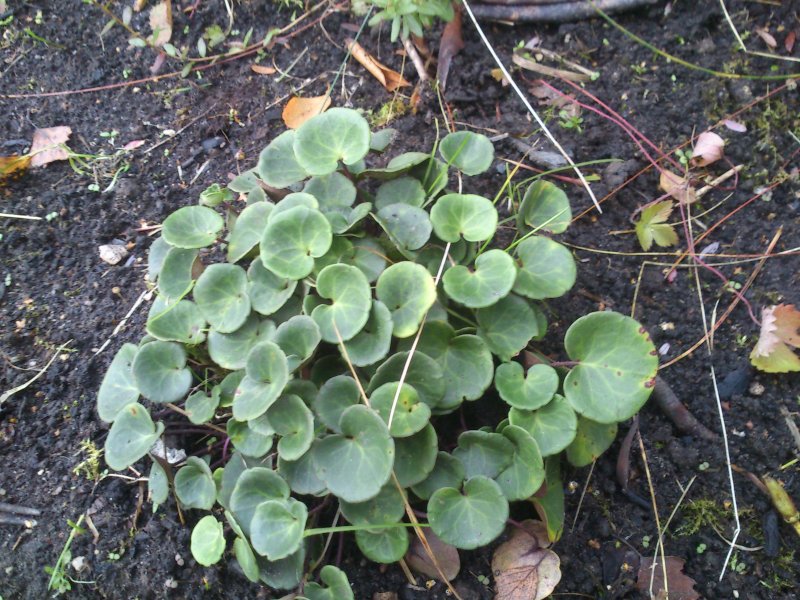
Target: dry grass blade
(6, 395)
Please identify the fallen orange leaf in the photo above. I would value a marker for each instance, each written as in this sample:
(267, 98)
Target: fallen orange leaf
(389, 78)
(13, 166)
(299, 110)
(48, 145)
(262, 69)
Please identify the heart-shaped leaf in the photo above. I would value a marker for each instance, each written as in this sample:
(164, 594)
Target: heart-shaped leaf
(294, 200)
(176, 276)
(118, 388)
(408, 292)
(208, 541)
(432, 174)
(277, 163)
(335, 396)
(322, 141)
(230, 350)
(294, 422)
(407, 226)
(160, 372)
(617, 366)
(131, 436)
(176, 322)
(544, 207)
(403, 190)
(338, 588)
(372, 343)
(483, 453)
(276, 530)
(553, 426)
(194, 484)
(471, 153)
(293, 239)
(254, 442)
(509, 325)
(386, 546)
(283, 574)
(267, 373)
(333, 190)
(415, 456)
(253, 487)
(267, 292)
(302, 475)
(357, 463)
(424, 374)
(547, 269)
(247, 232)
(470, 518)
(298, 338)
(200, 407)
(351, 299)
(234, 468)
(491, 280)
(215, 194)
(192, 227)
(591, 440)
(410, 414)
(221, 296)
(525, 475)
(464, 215)
(527, 391)
(385, 508)
(367, 255)
(448, 472)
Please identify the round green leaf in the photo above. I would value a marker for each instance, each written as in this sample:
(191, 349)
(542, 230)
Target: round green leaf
(201, 407)
(253, 487)
(410, 415)
(302, 475)
(591, 440)
(294, 422)
(155, 257)
(338, 588)
(424, 375)
(283, 574)
(415, 456)
(617, 366)
(247, 231)
(276, 530)
(221, 296)
(194, 484)
(490, 281)
(293, 239)
(357, 463)
(524, 476)
(249, 441)
(385, 546)
(267, 291)
(333, 190)
(527, 391)
(267, 373)
(277, 163)
(335, 396)
(131, 436)
(432, 174)
(483, 453)
(407, 226)
(464, 215)
(545, 207)
(385, 508)
(471, 518)
(471, 153)
(403, 190)
(157, 485)
(547, 269)
(233, 469)
(294, 200)
(372, 343)
(160, 372)
(351, 299)
(322, 141)
(343, 219)
(553, 426)
(230, 350)
(448, 472)
(298, 338)
(208, 541)
(192, 227)
(175, 278)
(228, 386)
(118, 388)
(176, 322)
(509, 325)
(408, 292)
(215, 194)
(368, 256)
(246, 559)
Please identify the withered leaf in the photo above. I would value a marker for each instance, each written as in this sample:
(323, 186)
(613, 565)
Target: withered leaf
(678, 187)
(48, 145)
(450, 45)
(299, 110)
(780, 329)
(524, 567)
(13, 166)
(707, 149)
(446, 556)
(161, 23)
(679, 585)
(389, 78)
(262, 69)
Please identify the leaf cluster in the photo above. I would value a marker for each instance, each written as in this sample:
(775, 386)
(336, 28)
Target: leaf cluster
(349, 317)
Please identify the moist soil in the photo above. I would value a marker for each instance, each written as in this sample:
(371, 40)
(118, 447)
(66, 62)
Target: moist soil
(59, 299)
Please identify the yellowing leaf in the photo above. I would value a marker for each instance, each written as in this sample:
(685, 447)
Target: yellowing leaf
(161, 23)
(13, 166)
(389, 78)
(780, 328)
(299, 110)
(652, 227)
(524, 567)
(678, 187)
(48, 145)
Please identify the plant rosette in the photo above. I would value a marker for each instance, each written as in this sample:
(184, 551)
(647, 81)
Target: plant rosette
(349, 316)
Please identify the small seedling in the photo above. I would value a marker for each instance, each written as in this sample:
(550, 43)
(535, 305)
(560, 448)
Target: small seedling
(60, 582)
(569, 121)
(701, 548)
(646, 541)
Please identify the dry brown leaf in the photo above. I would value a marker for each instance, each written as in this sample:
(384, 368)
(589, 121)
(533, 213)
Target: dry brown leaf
(13, 166)
(678, 187)
(524, 567)
(446, 555)
(768, 38)
(707, 149)
(679, 585)
(161, 23)
(549, 97)
(263, 69)
(788, 43)
(389, 78)
(780, 328)
(48, 145)
(299, 110)
(450, 45)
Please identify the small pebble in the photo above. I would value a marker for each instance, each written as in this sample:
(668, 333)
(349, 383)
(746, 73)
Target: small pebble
(756, 389)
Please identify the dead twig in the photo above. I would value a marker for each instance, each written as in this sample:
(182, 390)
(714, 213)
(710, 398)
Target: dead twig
(6, 395)
(532, 11)
(678, 413)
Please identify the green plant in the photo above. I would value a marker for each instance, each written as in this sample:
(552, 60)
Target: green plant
(374, 303)
(408, 17)
(570, 121)
(60, 582)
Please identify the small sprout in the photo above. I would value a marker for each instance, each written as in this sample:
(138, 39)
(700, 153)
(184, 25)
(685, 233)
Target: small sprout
(703, 466)
(701, 547)
(646, 541)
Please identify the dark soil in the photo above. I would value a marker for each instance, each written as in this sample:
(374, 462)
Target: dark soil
(56, 291)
